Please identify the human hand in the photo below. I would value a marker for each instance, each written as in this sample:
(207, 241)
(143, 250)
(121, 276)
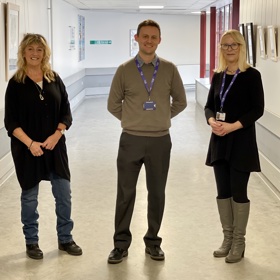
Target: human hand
(219, 128)
(224, 128)
(35, 149)
(51, 141)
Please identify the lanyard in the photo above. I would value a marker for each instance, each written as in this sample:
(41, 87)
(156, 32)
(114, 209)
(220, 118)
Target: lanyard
(223, 97)
(143, 77)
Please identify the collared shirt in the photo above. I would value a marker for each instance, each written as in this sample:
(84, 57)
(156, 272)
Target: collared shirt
(141, 61)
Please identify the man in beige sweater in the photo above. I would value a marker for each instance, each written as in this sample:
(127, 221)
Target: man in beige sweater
(146, 92)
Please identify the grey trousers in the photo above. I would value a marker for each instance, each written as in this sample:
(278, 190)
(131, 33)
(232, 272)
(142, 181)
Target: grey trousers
(134, 151)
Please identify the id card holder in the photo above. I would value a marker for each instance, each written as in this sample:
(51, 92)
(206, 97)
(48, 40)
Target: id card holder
(220, 116)
(149, 106)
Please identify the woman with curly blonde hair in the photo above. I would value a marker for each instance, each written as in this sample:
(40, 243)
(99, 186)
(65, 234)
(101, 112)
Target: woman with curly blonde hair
(37, 113)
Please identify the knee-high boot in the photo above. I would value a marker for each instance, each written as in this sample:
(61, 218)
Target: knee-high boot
(240, 220)
(226, 218)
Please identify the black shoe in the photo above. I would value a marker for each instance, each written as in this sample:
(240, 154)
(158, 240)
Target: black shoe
(33, 251)
(117, 255)
(71, 248)
(155, 252)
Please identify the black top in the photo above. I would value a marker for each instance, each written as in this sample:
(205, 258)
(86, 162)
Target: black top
(244, 103)
(38, 119)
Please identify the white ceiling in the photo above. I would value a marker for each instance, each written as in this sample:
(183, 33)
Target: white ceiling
(174, 7)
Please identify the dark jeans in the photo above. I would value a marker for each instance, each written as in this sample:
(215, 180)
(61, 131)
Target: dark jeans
(231, 182)
(154, 153)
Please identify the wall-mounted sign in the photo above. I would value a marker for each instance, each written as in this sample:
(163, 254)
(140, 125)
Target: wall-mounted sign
(72, 41)
(81, 24)
(100, 42)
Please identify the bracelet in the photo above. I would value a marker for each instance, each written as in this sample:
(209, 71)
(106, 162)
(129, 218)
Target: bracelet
(30, 145)
(61, 130)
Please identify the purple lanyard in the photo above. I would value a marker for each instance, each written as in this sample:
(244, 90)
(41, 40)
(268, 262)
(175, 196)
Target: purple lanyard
(223, 98)
(143, 77)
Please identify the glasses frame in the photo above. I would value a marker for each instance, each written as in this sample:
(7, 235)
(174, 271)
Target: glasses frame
(229, 45)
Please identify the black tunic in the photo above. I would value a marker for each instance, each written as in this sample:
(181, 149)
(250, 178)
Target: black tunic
(38, 119)
(244, 103)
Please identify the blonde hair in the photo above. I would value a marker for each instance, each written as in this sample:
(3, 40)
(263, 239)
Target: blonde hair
(242, 62)
(28, 40)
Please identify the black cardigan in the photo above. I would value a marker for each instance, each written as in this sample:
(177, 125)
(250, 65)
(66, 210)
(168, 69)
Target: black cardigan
(244, 103)
(38, 119)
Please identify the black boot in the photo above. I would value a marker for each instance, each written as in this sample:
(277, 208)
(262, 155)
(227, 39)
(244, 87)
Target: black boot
(33, 251)
(71, 248)
(117, 255)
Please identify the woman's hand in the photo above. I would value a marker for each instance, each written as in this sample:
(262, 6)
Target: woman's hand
(223, 128)
(35, 149)
(217, 127)
(52, 140)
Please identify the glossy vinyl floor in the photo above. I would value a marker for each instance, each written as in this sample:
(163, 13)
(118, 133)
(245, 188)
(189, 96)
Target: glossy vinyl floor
(190, 228)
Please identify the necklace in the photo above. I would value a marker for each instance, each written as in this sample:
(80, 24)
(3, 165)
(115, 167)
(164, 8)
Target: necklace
(40, 90)
(230, 71)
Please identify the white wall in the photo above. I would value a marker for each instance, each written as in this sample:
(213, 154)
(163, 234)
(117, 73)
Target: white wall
(65, 61)
(180, 37)
(264, 13)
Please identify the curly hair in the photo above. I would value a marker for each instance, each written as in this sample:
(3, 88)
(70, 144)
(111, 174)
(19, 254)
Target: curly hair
(239, 39)
(28, 40)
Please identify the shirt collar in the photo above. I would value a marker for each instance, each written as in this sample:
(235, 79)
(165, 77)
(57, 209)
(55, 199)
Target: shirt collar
(141, 61)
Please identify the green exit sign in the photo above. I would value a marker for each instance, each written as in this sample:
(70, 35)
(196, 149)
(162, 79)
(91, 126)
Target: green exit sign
(100, 42)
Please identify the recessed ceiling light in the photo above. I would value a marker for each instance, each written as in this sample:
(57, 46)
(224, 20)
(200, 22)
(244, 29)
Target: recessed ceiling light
(151, 7)
(200, 12)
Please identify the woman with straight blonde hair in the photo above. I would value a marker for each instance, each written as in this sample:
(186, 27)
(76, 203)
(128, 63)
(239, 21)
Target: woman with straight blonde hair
(235, 102)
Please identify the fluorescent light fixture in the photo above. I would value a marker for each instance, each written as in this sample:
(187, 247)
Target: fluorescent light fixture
(151, 7)
(200, 12)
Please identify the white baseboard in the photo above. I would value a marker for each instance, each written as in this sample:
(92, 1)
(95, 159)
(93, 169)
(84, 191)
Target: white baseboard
(6, 168)
(77, 100)
(97, 90)
(270, 171)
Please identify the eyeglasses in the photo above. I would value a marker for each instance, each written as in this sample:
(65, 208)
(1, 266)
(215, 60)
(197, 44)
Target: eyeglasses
(233, 46)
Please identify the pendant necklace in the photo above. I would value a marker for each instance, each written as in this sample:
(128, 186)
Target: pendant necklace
(231, 71)
(40, 90)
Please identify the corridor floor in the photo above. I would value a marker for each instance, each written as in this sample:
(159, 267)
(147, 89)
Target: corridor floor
(190, 228)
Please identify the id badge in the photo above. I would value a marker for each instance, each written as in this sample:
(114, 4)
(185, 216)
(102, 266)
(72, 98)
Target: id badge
(149, 105)
(220, 116)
